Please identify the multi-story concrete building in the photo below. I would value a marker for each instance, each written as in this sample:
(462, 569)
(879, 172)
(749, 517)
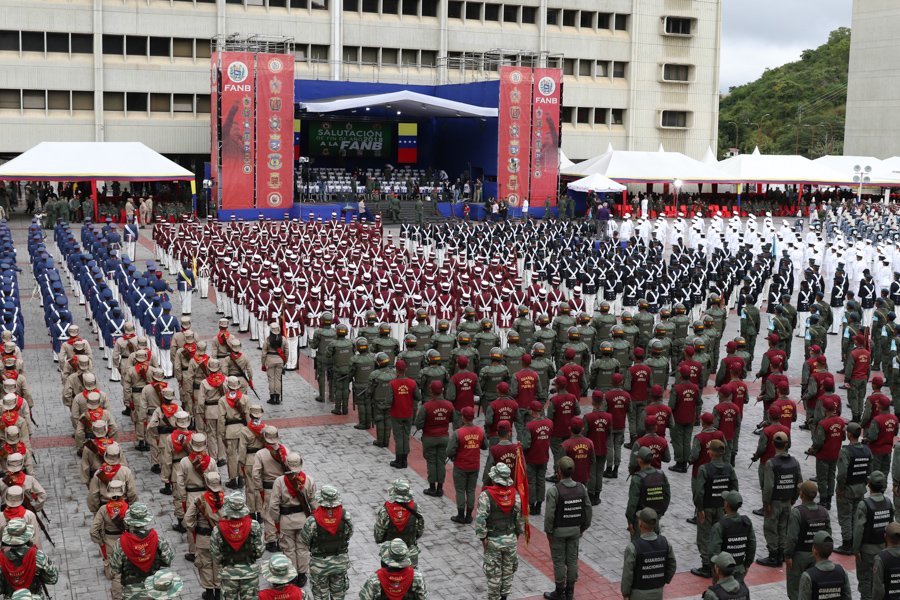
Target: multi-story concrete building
(637, 73)
(872, 126)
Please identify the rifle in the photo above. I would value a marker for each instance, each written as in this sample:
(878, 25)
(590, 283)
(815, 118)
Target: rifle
(249, 383)
(752, 460)
(26, 502)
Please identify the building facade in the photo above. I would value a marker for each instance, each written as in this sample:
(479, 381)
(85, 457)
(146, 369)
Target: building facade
(872, 126)
(637, 73)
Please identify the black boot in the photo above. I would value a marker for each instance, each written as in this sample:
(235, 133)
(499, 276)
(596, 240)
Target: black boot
(537, 508)
(704, 571)
(272, 399)
(360, 426)
(190, 557)
(608, 473)
(155, 469)
(460, 517)
(397, 463)
(760, 512)
(630, 443)
(771, 560)
(430, 491)
(218, 594)
(595, 499)
(469, 515)
(405, 464)
(844, 549)
(301, 579)
(570, 591)
(166, 490)
(127, 412)
(615, 472)
(439, 490)
(558, 594)
(551, 479)
(232, 484)
(272, 546)
(208, 594)
(179, 527)
(221, 462)
(335, 411)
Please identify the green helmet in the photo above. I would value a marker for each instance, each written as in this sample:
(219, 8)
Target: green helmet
(382, 360)
(371, 316)
(463, 338)
(604, 307)
(606, 348)
(564, 308)
(362, 344)
(512, 336)
(410, 340)
(573, 333)
(443, 325)
(627, 317)
(584, 318)
(538, 349)
(433, 357)
(384, 330)
(327, 318)
(342, 330)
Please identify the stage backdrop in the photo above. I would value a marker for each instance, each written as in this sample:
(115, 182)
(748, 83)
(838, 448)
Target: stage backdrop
(274, 124)
(544, 171)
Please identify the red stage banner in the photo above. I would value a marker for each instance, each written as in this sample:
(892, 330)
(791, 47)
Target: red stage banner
(237, 129)
(545, 107)
(274, 129)
(514, 139)
(214, 126)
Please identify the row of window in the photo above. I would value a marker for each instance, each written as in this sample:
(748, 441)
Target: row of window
(388, 57)
(112, 101)
(589, 115)
(83, 43)
(584, 67)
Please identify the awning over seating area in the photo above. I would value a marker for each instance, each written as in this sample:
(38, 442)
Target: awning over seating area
(405, 102)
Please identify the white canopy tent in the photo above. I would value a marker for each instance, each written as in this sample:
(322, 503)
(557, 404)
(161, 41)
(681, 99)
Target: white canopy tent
(888, 171)
(878, 174)
(405, 102)
(564, 160)
(631, 166)
(772, 168)
(596, 183)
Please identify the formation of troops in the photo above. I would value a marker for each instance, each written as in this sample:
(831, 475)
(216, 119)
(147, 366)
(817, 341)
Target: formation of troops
(523, 353)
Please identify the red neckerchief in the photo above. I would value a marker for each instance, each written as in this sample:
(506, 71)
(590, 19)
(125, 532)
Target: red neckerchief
(191, 349)
(214, 500)
(116, 509)
(158, 387)
(180, 438)
(71, 341)
(200, 460)
(168, 409)
(107, 471)
(140, 551)
(6, 355)
(202, 359)
(222, 337)
(17, 478)
(235, 531)
(504, 497)
(19, 576)
(9, 417)
(235, 355)
(286, 592)
(329, 519)
(215, 380)
(395, 584)
(95, 414)
(399, 513)
(74, 361)
(11, 374)
(233, 397)
(141, 369)
(18, 447)
(101, 443)
(14, 512)
(279, 454)
(128, 336)
(256, 426)
(295, 488)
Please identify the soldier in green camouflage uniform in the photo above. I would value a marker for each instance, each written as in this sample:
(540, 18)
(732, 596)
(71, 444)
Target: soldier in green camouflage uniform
(381, 395)
(414, 357)
(469, 324)
(361, 367)
(490, 376)
(327, 535)
(322, 338)
(644, 322)
(434, 370)
(464, 339)
(603, 322)
(588, 335)
(602, 369)
(17, 542)
(238, 571)
(385, 343)
(512, 354)
(370, 331)
(338, 357)
(680, 323)
(561, 324)
(138, 521)
(422, 330)
(542, 364)
(484, 340)
(400, 501)
(394, 572)
(498, 525)
(443, 342)
(621, 347)
(546, 335)
(659, 365)
(524, 326)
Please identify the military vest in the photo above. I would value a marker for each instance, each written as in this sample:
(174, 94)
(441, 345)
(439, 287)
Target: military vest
(569, 506)
(787, 477)
(718, 480)
(364, 366)
(879, 513)
(891, 570)
(858, 459)
(653, 491)
(826, 585)
(742, 593)
(408, 535)
(343, 353)
(811, 521)
(499, 522)
(650, 563)
(327, 544)
(735, 535)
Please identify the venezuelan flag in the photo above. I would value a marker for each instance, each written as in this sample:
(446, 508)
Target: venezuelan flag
(407, 142)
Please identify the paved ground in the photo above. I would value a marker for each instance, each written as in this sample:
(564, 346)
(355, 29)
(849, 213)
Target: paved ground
(336, 453)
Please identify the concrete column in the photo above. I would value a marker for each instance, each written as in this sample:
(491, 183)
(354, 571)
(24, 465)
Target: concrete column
(443, 43)
(335, 9)
(99, 124)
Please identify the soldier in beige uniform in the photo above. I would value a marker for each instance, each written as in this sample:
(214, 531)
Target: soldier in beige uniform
(93, 411)
(178, 338)
(232, 418)
(9, 387)
(124, 347)
(74, 362)
(68, 347)
(196, 372)
(135, 375)
(75, 384)
(13, 444)
(201, 517)
(251, 441)
(160, 424)
(182, 362)
(13, 500)
(93, 450)
(211, 391)
(107, 527)
(12, 371)
(79, 402)
(220, 348)
(144, 344)
(238, 365)
(10, 349)
(111, 468)
(15, 475)
(292, 501)
(189, 482)
(146, 403)
(269, 466)
(273, 357)
(16, 414)
(174, 446)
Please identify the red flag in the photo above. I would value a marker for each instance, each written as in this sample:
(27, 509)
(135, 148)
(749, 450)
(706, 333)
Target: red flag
(521, 483)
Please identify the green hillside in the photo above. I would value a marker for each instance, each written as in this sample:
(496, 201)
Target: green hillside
(797, 108)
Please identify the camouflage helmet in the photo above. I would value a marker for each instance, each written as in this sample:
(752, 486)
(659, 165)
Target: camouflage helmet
(496, 353)
(382, 359)
(512, 336)
(433, 357)
(584, 318)
(543, 319)
(371, 317)
(410, 341)
(573, 333)
(538, 349)
(384, 330)
(444, 325)
(564, 308)
(523, 310)
(362, 344)
(342, 330)
(606, 348)
(469, 312)
(463, 338)
(327, 318)
(604, 307)
(617, 331)
(486, 324)
(680, 309)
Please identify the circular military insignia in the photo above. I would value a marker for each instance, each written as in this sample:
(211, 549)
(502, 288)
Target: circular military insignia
(516, 77)
(274, 199)
(546, 86)
(247, 169)
(238, 72)
(513, 199)
(275, 65)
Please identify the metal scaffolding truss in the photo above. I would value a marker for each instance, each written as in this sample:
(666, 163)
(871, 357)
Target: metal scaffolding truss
(490, 61)
(252, 43)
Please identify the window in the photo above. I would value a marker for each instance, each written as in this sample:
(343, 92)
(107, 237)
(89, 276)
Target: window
(351, 5)
(82, 43)
(58, 42)
(370, 6)
(183, 47)
(113, 100)
(204, 49)
(583, 115)
(584, 68)
(587, 19)
(429, 58)
(294, 4)
(351, 54)
(453, 60)
(369, 56)
(603, 20)
(32, 41)
(317, 5)
(568, 66)
(389, 56)
(183, 103)
(9, 41)
(619, 69)
(621, 22)
(676, 73)
(454, 9)
(136, 102)
(203, 103)
(570, 17)
(82, 100)
(410, 8)
(35, 99)
(567, 114)
(113, 44)
(617, 116)
(510, 13)
(602, 68)
(255, 3)
(390, 7)
(529, 14)
(136, 45)
(491, 12)
(553, 16)
(674, 118)
(429, 8)
(11, 99)
(58, 100)
(317, 53)
(160, 103)
(409, 57)
(600, 116)
(159, 46)
(278, 3)
(678, 26)
(473, 11)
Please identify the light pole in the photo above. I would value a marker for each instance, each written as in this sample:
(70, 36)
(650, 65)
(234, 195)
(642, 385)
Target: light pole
(207, 189)
(860, 177)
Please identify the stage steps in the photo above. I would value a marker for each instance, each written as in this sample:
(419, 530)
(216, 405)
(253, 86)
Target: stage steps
(407, 212)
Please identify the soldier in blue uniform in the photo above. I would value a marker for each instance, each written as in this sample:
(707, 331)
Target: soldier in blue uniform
(187, 280)
(165, 328)
(130, 237)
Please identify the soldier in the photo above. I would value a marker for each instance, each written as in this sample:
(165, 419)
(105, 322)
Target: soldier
(111, 468)
(856, 371)
(658, 364)
(524, 326)
(281, 575)
(883, 584)
(686, 404)
(380, 393)
(617, 403)
(826, 447)
(413, 357)
(327, 537)
(546, 335)
(513, 353)
(251, 442)
(182, 362)
(107, 527)
(490, 376)
(464, 449)
(399, 518)
(322, 338)
(464, 349)
(485, 341)
(498, 525)
(503, 408)
(338, 357)
(238, 365)
(433, 420)
(361, 367)
(270, 464)
(405, 398)
(733, 533)
(543, 366)
(422, 331)
(396, 578)
(212, 390)
(235, 546)
(139, 553)
(880, 436)
(273, 361)
(873, 514)
(434, 370)
(173, 446)
(385, 343)
(649, 488)
(292, 502)
(825, 579)
(804, 521)
(561, 408)
(599, 424)
(220, 342)
(726, 585)
(160, 424)
(568, 516)
(190, 482)
(603, 368)
(642, 578)
(727, 419)
(781, 481)
(853, 467)
(95, 447)
(200, 518)
(526, 388)
(714, 479)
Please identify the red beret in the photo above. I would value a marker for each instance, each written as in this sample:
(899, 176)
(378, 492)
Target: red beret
(576, 422)
(858, 339)
(821, 359)
(462, 362)
(830, 404)
(689, 351)
(467, 412)
(706, 417)
(400, 365)
(815, 348)
(772, 337)
(650, 423)
(774, 412)
(684, 371)
(536, 406)
(503, 387)
(877, 381)
(526, 359)
(656, 391)
(560, 381)
(884, 402)
(570, 353)
(726, 389)
(617, 378)
(437, 386)
(638, 352)
(503, 426)
(730, 347)
(776, 361)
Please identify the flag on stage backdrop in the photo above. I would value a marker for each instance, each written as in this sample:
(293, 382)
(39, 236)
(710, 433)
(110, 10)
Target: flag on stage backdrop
(296, 139)
(521, 482)
(407, 142)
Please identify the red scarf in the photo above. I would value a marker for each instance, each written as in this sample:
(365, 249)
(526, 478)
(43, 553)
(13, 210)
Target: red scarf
(200, 460)
(94, 414)
(17, 478)
(233, 397)
(235, 531)
(116, 509)
(289, 482)
(140, 551)
(399, 514)
(395, 584)
(288, 592)
(71, 341)
(235, 355)
(11, 374)
(107, 471)
(504, 497)
(256, 427)
(191, 349)
(169, 409)
(14, 512)
(9, 417)
(214, 500)
(329, 519)
(180, 438)
(128, 336)
(222, 337)
(202, 359)
(18, 447)
(141, 369)
(19, 577)
(215, 380)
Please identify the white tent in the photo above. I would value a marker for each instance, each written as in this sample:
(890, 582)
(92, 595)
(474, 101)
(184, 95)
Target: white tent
(630, 166)
(595, 183)
(772, 168)
(888, 171)
(879, 174)
(105, 161)
(564, 160)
